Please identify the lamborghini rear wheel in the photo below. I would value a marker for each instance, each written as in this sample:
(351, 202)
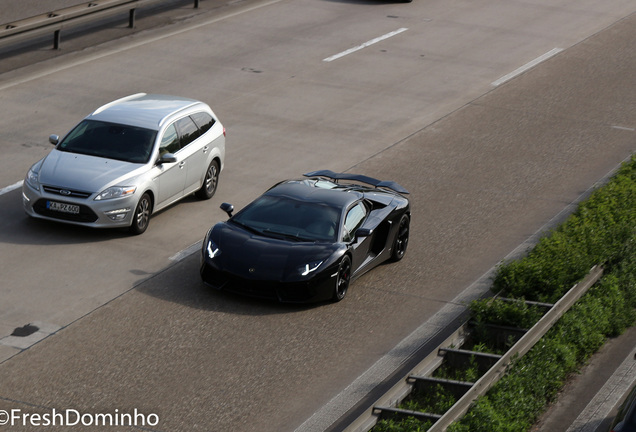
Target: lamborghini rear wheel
(343, 279)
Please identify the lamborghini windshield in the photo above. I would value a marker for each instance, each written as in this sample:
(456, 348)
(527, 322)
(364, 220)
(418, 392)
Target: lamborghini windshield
(109, 140)
(290, 219)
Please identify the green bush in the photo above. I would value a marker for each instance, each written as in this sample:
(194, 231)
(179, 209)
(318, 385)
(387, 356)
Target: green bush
(505, 313)
(602, 231)
(596, 233)
(436, 401)
(516, 401)
(410, 424)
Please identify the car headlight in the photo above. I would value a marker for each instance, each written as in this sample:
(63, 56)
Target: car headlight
(310, 267)
(212, 250)
(33, 178)
(115, 192)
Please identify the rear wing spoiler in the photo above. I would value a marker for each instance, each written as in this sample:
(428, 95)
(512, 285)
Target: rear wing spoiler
(358, 177)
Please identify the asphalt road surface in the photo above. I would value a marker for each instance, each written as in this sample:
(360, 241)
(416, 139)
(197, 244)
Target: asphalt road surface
(439, 97)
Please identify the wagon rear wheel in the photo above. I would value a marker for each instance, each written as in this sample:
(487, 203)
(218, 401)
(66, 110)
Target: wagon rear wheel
(211, 180)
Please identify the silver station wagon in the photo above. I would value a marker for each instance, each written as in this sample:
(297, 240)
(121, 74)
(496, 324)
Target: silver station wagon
(126, 160)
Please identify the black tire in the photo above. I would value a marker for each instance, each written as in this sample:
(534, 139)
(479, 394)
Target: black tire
(141, 218)
(210, 182)
(343, 279)
(401, 238)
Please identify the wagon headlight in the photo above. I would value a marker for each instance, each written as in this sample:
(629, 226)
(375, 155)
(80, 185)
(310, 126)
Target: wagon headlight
(33, 178)
(115, 192)
(212, 250)
(310, 267)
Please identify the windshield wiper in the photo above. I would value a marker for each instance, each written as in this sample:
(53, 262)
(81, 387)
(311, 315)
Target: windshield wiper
(285, 235)
(246, 227)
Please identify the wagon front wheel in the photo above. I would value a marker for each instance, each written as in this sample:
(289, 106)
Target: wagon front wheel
(141, 218)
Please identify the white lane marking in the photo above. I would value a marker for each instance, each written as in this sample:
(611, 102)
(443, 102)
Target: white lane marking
(181, 255)
(364, 45)
(624, 128)
(527, 66)
(13, 187)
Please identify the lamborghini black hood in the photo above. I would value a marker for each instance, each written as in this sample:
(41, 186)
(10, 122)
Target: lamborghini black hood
(258, 257)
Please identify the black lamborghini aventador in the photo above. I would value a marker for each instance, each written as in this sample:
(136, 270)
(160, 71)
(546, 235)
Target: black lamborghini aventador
(306, 239)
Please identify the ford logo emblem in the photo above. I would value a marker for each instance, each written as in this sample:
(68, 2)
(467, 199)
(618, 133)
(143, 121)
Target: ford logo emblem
(65, 192)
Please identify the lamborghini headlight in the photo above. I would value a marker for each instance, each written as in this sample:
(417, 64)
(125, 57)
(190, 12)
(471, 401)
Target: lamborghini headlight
(310, 267)
(212, 250)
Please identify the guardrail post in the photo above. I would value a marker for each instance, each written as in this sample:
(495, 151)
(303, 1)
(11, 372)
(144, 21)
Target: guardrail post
(56, 39)
(131, 18)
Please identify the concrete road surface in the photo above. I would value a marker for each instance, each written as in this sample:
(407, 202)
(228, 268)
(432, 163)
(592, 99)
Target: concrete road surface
(492, 149)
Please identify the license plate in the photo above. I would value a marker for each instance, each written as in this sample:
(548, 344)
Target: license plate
(61, 207)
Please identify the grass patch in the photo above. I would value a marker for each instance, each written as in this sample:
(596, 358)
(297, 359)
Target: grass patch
(601, 231)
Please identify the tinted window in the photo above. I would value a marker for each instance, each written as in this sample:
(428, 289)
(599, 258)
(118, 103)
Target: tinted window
(110, 140)
(289, 218)
(355, 218)
(203, 120)
(170, 141)
(187, 130)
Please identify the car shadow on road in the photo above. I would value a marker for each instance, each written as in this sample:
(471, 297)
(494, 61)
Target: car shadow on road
(181, 284)
(27, 230)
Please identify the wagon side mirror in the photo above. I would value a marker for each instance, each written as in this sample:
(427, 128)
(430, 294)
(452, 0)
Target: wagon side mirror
(227, 208)
(54, 139)
(167, 158)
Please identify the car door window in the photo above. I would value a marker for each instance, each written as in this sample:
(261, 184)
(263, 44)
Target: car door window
(203, 120)
(353, 221)
(188, 131)
(169, 141)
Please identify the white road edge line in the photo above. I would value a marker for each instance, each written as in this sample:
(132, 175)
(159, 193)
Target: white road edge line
(183, 254)
(364, 45)
(624, 128)
(527, 66)
(13, 187)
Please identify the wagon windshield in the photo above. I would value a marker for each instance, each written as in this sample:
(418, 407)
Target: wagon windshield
(290, 219)
(110, 140)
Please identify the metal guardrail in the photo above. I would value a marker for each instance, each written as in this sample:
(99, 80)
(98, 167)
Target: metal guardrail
(386, 403)
(56, 21)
